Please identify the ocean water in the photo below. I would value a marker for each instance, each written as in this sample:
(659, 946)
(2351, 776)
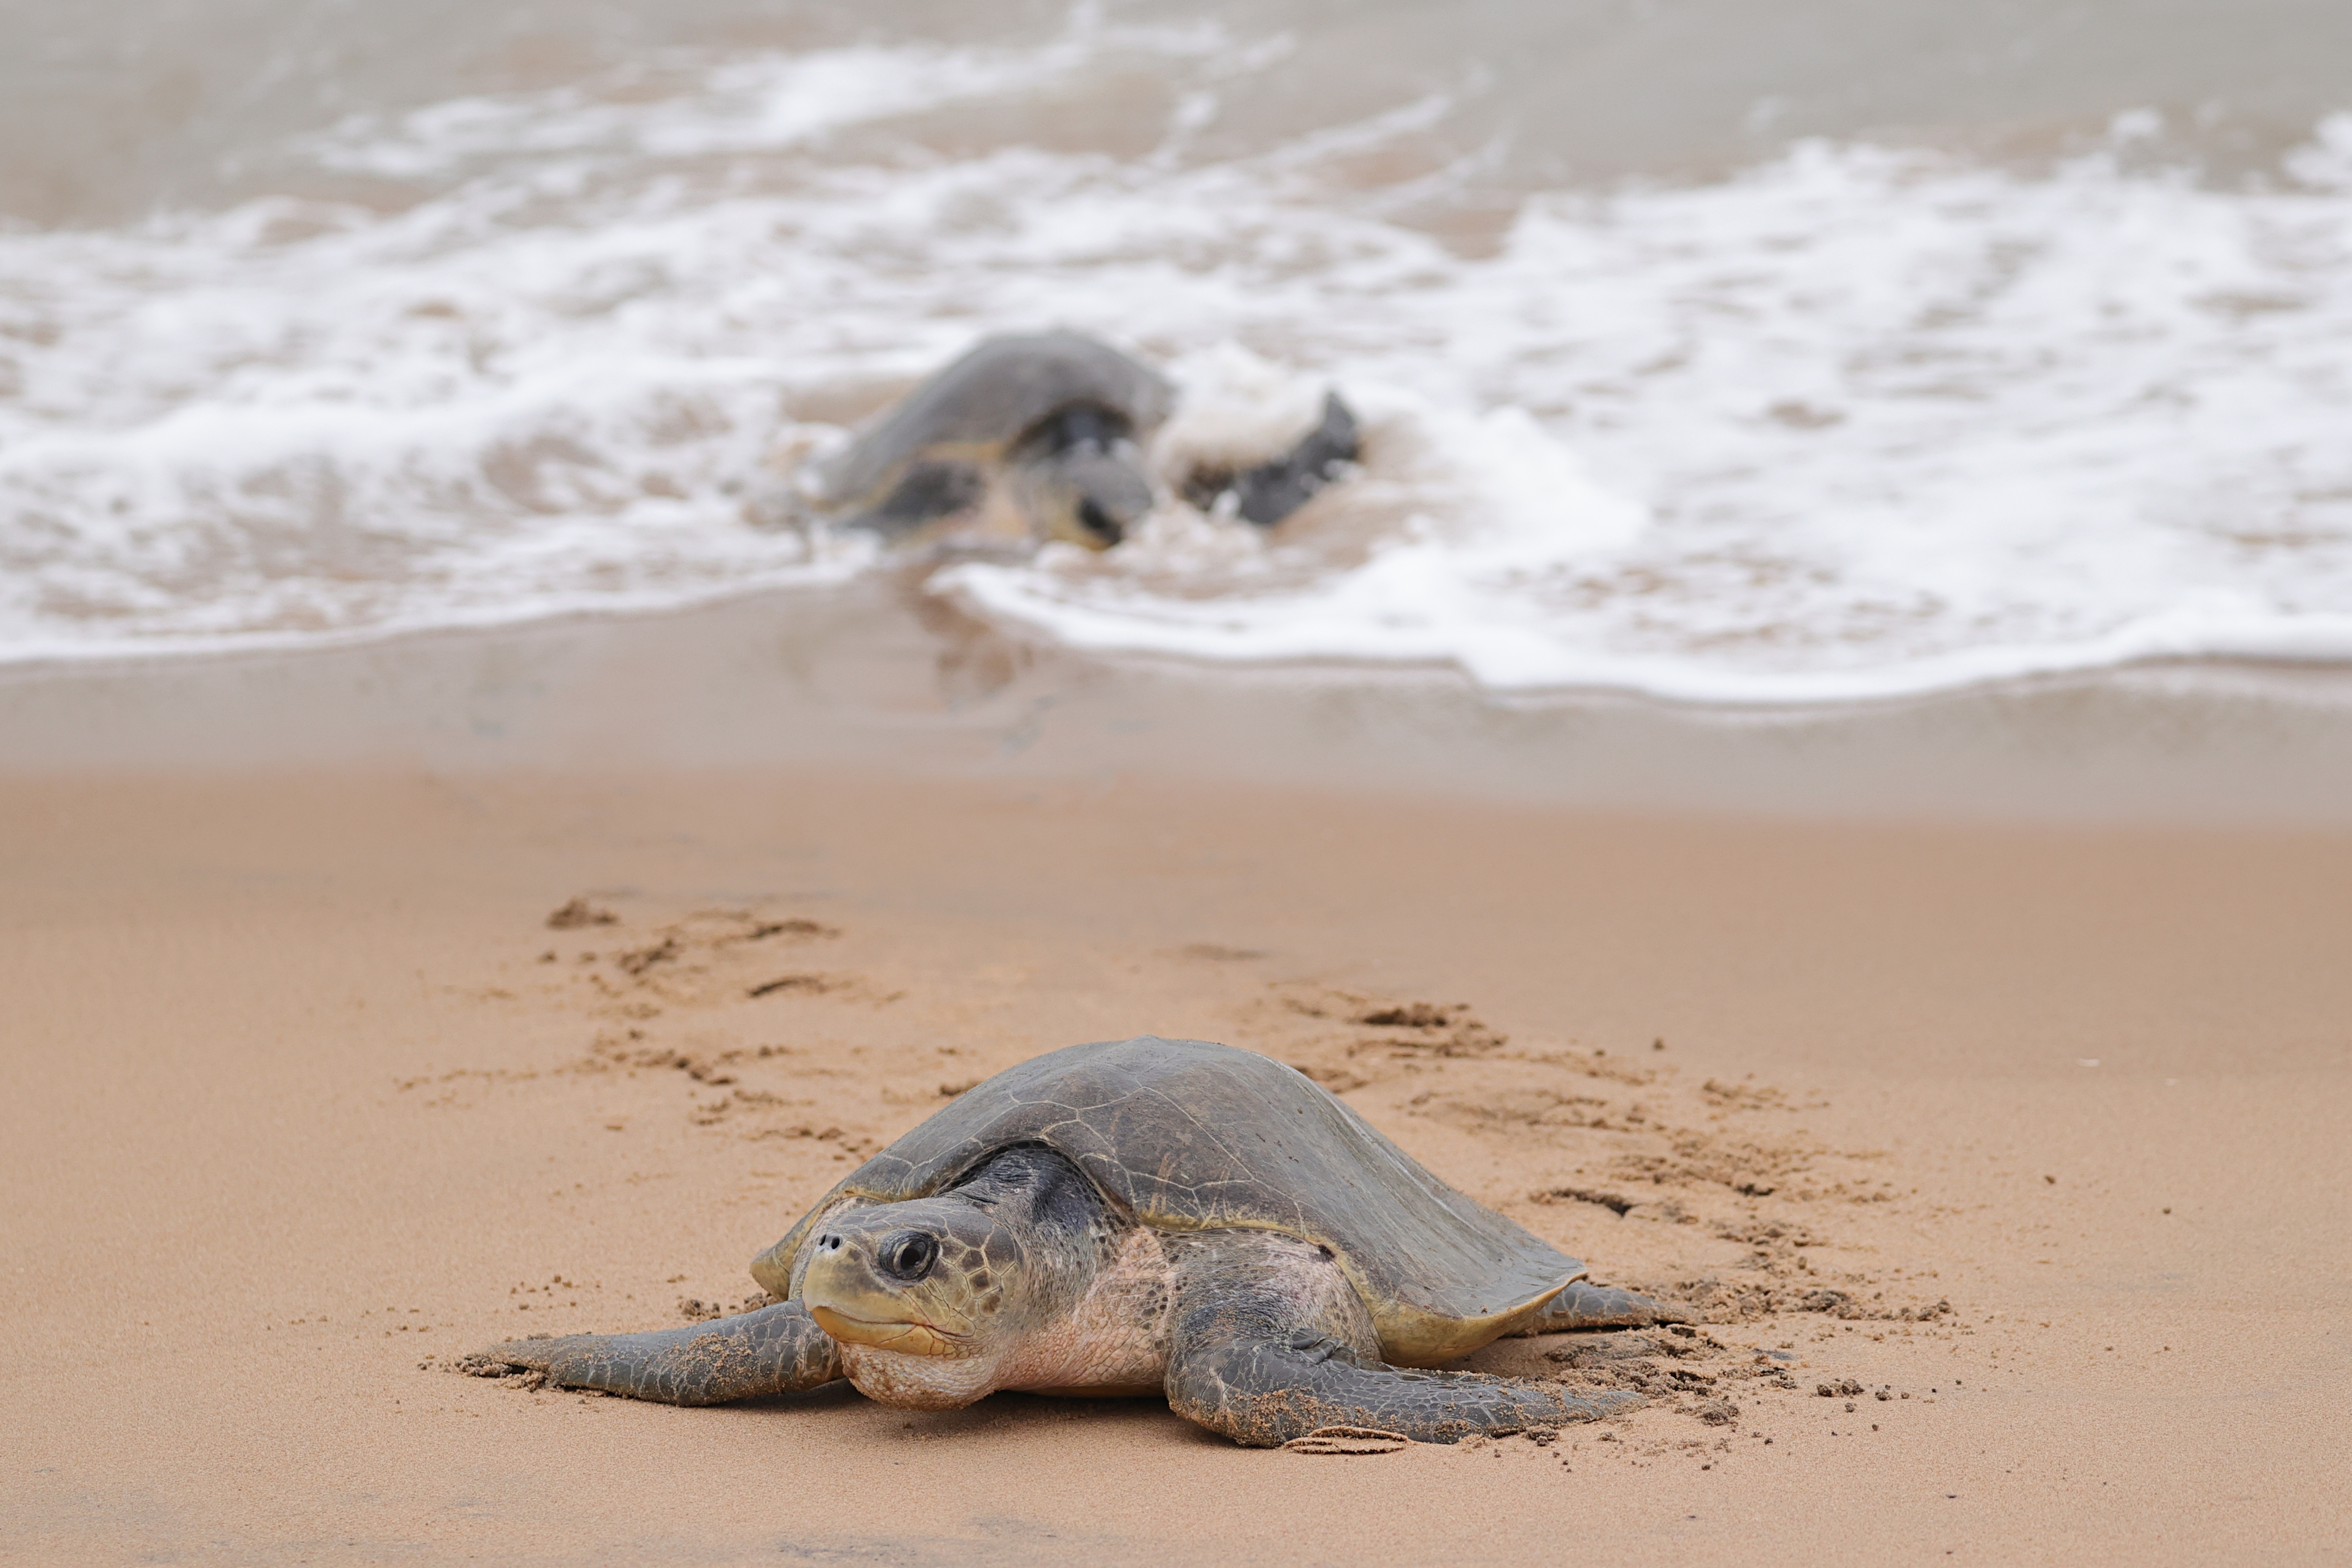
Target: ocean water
(1717, 351)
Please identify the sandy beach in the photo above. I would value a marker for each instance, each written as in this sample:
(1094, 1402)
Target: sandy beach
(1733, 621)
(2022, 1138)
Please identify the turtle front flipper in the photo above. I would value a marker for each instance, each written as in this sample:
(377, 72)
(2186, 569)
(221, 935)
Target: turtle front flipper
(1268, 1342)
(776, 1350)
(1584, 1305)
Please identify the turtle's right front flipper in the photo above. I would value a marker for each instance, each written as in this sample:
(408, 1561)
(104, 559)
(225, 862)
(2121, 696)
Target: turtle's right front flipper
(1268, 1344)
(776, 1350)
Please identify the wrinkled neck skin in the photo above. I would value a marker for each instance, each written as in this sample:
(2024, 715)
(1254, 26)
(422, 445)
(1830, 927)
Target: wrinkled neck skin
(995, 1283)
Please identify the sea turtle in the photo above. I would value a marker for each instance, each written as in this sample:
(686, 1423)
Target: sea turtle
(1055, 417)
(1042, 436)
(1140, 1216)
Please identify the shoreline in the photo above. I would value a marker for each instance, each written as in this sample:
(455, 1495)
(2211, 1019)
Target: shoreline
(878, 676)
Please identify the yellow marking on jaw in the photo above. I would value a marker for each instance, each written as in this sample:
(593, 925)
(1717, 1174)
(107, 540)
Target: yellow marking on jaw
(913, 1339)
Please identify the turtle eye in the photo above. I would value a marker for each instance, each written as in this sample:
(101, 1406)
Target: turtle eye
(909, 1255)
(1099, 522)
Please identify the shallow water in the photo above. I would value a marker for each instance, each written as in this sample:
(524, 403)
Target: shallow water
(1713, 351)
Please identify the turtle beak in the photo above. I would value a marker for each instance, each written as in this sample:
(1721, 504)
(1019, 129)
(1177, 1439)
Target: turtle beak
(912, 1339)
(1087, 496)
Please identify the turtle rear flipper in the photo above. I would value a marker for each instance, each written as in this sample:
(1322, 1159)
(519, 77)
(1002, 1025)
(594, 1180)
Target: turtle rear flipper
(1258, 1353)
(1268, 493)
(776, 1350)
(1584, 1305)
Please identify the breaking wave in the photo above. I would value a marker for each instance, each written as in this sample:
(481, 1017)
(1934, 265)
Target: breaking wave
(1852, 423)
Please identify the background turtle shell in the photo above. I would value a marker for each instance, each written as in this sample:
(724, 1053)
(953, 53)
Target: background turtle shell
(973, 409)
(1187, 1135)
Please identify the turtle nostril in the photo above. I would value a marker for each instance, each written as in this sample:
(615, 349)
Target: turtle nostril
(909, 1255)
(828, 1244)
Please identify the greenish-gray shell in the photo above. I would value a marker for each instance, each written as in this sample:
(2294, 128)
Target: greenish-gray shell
(976, 408)
(1187, 1135)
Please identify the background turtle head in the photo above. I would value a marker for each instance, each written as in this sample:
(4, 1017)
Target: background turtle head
(967, 1273)
(1080, 476)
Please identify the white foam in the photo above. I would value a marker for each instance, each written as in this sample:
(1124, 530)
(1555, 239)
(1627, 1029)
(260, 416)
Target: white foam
(1853, 423)
(1238, 410)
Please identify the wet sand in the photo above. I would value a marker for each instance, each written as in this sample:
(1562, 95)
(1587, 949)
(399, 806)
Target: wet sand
(885, 676)
(2038, 1129)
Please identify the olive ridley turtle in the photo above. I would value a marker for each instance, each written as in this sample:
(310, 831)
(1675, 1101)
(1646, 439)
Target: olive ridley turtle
(1042, 436)
(1140, 1216)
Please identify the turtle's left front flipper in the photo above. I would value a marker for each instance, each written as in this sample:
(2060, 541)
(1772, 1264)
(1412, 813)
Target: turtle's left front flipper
(776, 1350)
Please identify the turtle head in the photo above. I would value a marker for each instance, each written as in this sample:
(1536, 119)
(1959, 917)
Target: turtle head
(966, 1273)
(927, 1278)
(1080, 478)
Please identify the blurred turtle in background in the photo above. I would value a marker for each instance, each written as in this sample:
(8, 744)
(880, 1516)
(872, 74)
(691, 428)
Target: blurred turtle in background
(1042, 437)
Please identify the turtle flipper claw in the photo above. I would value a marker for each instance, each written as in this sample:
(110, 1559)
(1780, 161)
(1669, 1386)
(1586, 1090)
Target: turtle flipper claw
(532, 1355)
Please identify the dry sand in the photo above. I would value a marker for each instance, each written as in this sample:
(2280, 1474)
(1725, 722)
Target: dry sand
(2040, 1132)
